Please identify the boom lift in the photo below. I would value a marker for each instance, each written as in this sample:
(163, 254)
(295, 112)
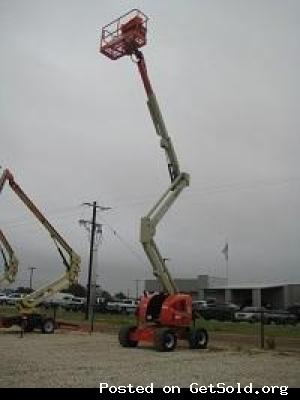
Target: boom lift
(29, 318)
(162, 317)
(10, 262)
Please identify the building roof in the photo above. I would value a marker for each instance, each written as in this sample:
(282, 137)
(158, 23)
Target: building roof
(253, 285)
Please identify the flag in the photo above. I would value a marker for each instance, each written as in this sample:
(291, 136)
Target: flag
(225, 251)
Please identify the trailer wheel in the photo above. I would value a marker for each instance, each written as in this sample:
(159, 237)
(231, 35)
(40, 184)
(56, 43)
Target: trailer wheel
(48, 326)
(124, 336)
(165, 340)
(198, 339)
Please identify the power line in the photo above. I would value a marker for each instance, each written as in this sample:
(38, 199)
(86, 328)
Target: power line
(125, 243)
(246, 185)
(205, 190)
(216, 189)
(27, 220)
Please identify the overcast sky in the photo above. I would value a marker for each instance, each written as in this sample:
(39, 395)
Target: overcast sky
(75, 127)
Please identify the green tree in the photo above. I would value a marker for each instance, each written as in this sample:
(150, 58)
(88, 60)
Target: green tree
(120, 296)
(76, 290)
(25, 290)
(106, 295)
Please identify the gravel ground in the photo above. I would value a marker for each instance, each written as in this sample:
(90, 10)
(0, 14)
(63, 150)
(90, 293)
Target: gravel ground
(81, 360)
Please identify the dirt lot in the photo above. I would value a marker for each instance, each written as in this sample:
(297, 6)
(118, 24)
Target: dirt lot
(81, 360)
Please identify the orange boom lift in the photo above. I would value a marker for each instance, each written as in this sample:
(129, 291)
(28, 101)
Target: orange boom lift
(162, 318)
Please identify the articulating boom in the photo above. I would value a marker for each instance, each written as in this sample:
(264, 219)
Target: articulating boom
(179, 180)
(125, 36)
(72, 265)
(10, 263)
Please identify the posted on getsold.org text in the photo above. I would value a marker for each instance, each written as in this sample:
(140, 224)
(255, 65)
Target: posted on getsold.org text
(195, 388)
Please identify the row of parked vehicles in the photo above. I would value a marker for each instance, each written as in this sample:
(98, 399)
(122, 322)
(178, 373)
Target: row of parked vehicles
(207, 310)
(69, 302)
(64, 300)
(10, 299)
(234, 313)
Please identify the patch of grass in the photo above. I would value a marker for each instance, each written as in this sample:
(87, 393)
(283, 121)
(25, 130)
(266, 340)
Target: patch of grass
(241, 328)
(76, 317)
(245, 328)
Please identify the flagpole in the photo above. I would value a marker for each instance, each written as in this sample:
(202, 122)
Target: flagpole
(225, 251)
(227, 270)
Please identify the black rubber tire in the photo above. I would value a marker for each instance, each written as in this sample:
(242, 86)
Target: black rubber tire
(198, 338)
(165, 339)
(48, 326)
(124, 333)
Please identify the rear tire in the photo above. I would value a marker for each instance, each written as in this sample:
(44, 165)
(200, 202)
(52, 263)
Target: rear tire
(124, 336)
(198, 339)
(48, 326)
(165, 340)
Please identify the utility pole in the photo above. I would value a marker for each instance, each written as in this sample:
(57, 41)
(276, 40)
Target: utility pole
(31, 269)
(94, 229)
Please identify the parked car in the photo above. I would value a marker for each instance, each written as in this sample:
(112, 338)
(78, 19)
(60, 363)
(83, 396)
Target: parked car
(220, 312)
(126, 306)
(57, 300)
(250, 314)
(281, 317)
(294, 309)
(199, 305)
(75, 304)
(211, 301)
(14, 298)
(66, 301)
(100, 305)
(3, 298)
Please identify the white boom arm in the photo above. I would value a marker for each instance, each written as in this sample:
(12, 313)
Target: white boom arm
(10, 262)
(31, 301)
(179, 180)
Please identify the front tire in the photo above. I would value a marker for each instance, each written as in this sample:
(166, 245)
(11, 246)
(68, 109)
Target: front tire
(124, 336)
(165, 340)
(198, 339)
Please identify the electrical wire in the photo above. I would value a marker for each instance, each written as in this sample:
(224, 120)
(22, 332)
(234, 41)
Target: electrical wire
(123, 241)
(17, 222)
(67, 212)
(215, 189)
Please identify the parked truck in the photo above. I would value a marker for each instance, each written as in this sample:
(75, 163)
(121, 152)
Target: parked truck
(126, 306)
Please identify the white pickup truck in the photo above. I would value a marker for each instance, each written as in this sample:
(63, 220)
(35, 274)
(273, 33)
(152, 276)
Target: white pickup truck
(66, 301)
(126, 306)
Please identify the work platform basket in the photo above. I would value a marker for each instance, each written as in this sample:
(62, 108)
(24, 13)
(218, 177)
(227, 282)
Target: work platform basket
(124, 35)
